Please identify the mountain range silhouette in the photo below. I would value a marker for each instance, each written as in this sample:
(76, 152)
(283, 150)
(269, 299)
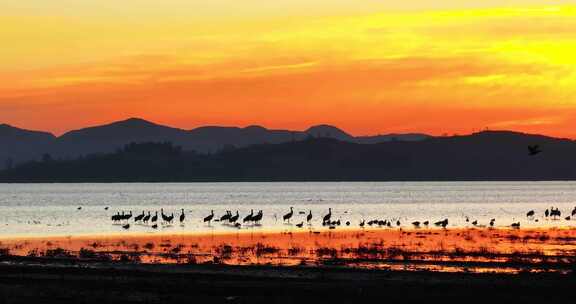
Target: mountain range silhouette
(19, 145)
(156, 154)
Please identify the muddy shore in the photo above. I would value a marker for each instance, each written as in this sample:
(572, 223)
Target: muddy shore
(33, 280)
(271, 267)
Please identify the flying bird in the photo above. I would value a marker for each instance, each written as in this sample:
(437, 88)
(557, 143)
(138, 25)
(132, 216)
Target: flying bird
(533, 150)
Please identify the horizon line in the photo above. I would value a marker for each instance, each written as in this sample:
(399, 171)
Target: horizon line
(135, 118)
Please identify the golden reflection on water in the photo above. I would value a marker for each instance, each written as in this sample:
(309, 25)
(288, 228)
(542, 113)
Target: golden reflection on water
(452, 250)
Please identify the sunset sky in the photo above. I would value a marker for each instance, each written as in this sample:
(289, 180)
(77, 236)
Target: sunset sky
(367, 66)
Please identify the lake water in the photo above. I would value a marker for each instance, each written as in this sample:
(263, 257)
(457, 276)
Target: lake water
(52, 209)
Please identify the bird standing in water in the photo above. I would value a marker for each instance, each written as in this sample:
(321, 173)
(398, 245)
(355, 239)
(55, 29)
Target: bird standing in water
(288, 215)
(182, 217)
(209, 217)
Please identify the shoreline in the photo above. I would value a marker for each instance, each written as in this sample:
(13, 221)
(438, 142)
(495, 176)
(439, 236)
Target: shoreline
(437, 250)
(263, 267)
(129, 234)
(137, 283)
(270, 180)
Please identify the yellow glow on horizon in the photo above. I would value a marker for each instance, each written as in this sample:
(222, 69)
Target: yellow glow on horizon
(357, 59)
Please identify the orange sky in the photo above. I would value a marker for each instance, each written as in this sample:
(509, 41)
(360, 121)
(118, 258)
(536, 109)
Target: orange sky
(367, 66)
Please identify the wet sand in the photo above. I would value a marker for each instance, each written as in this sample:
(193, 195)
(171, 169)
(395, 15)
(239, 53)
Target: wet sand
(450, 250)
(163, 283)
(267, 267)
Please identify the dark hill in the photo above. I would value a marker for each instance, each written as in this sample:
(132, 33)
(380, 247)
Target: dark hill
(17, 145)
(480, 156)
(21, 145)
(327, 131)
(109, 137)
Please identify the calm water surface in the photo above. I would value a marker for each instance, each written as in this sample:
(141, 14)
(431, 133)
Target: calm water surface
(51, 209)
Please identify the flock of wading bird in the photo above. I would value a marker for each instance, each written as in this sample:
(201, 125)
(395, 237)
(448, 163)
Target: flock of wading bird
(254, 219)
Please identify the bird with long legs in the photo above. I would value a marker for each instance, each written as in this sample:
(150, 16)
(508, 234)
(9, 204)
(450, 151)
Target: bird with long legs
(555, 213)
(146, 218)
(164, 216)
(116, 217)
(169, 219)
(226, 216)
(248, 218)
(209, 217)
(309, 217)
(139, 217)
(234, 218)
(288, 215)
(257, 218)
(182, 217)
(327, 217)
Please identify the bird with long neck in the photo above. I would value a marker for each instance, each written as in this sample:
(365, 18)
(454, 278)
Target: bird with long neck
(226, 216)
(146, 218)
(248, 217)
(164, 216)
(209, 217)
(258, 217)
(139, 217)
(234, 218)
(327, 216)
(182, 216)
(288, 215)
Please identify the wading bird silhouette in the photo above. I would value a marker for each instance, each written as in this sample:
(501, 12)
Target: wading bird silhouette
(288, 215)
(182, 217)
(248, 218)
(327, 216)
(209, 217)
